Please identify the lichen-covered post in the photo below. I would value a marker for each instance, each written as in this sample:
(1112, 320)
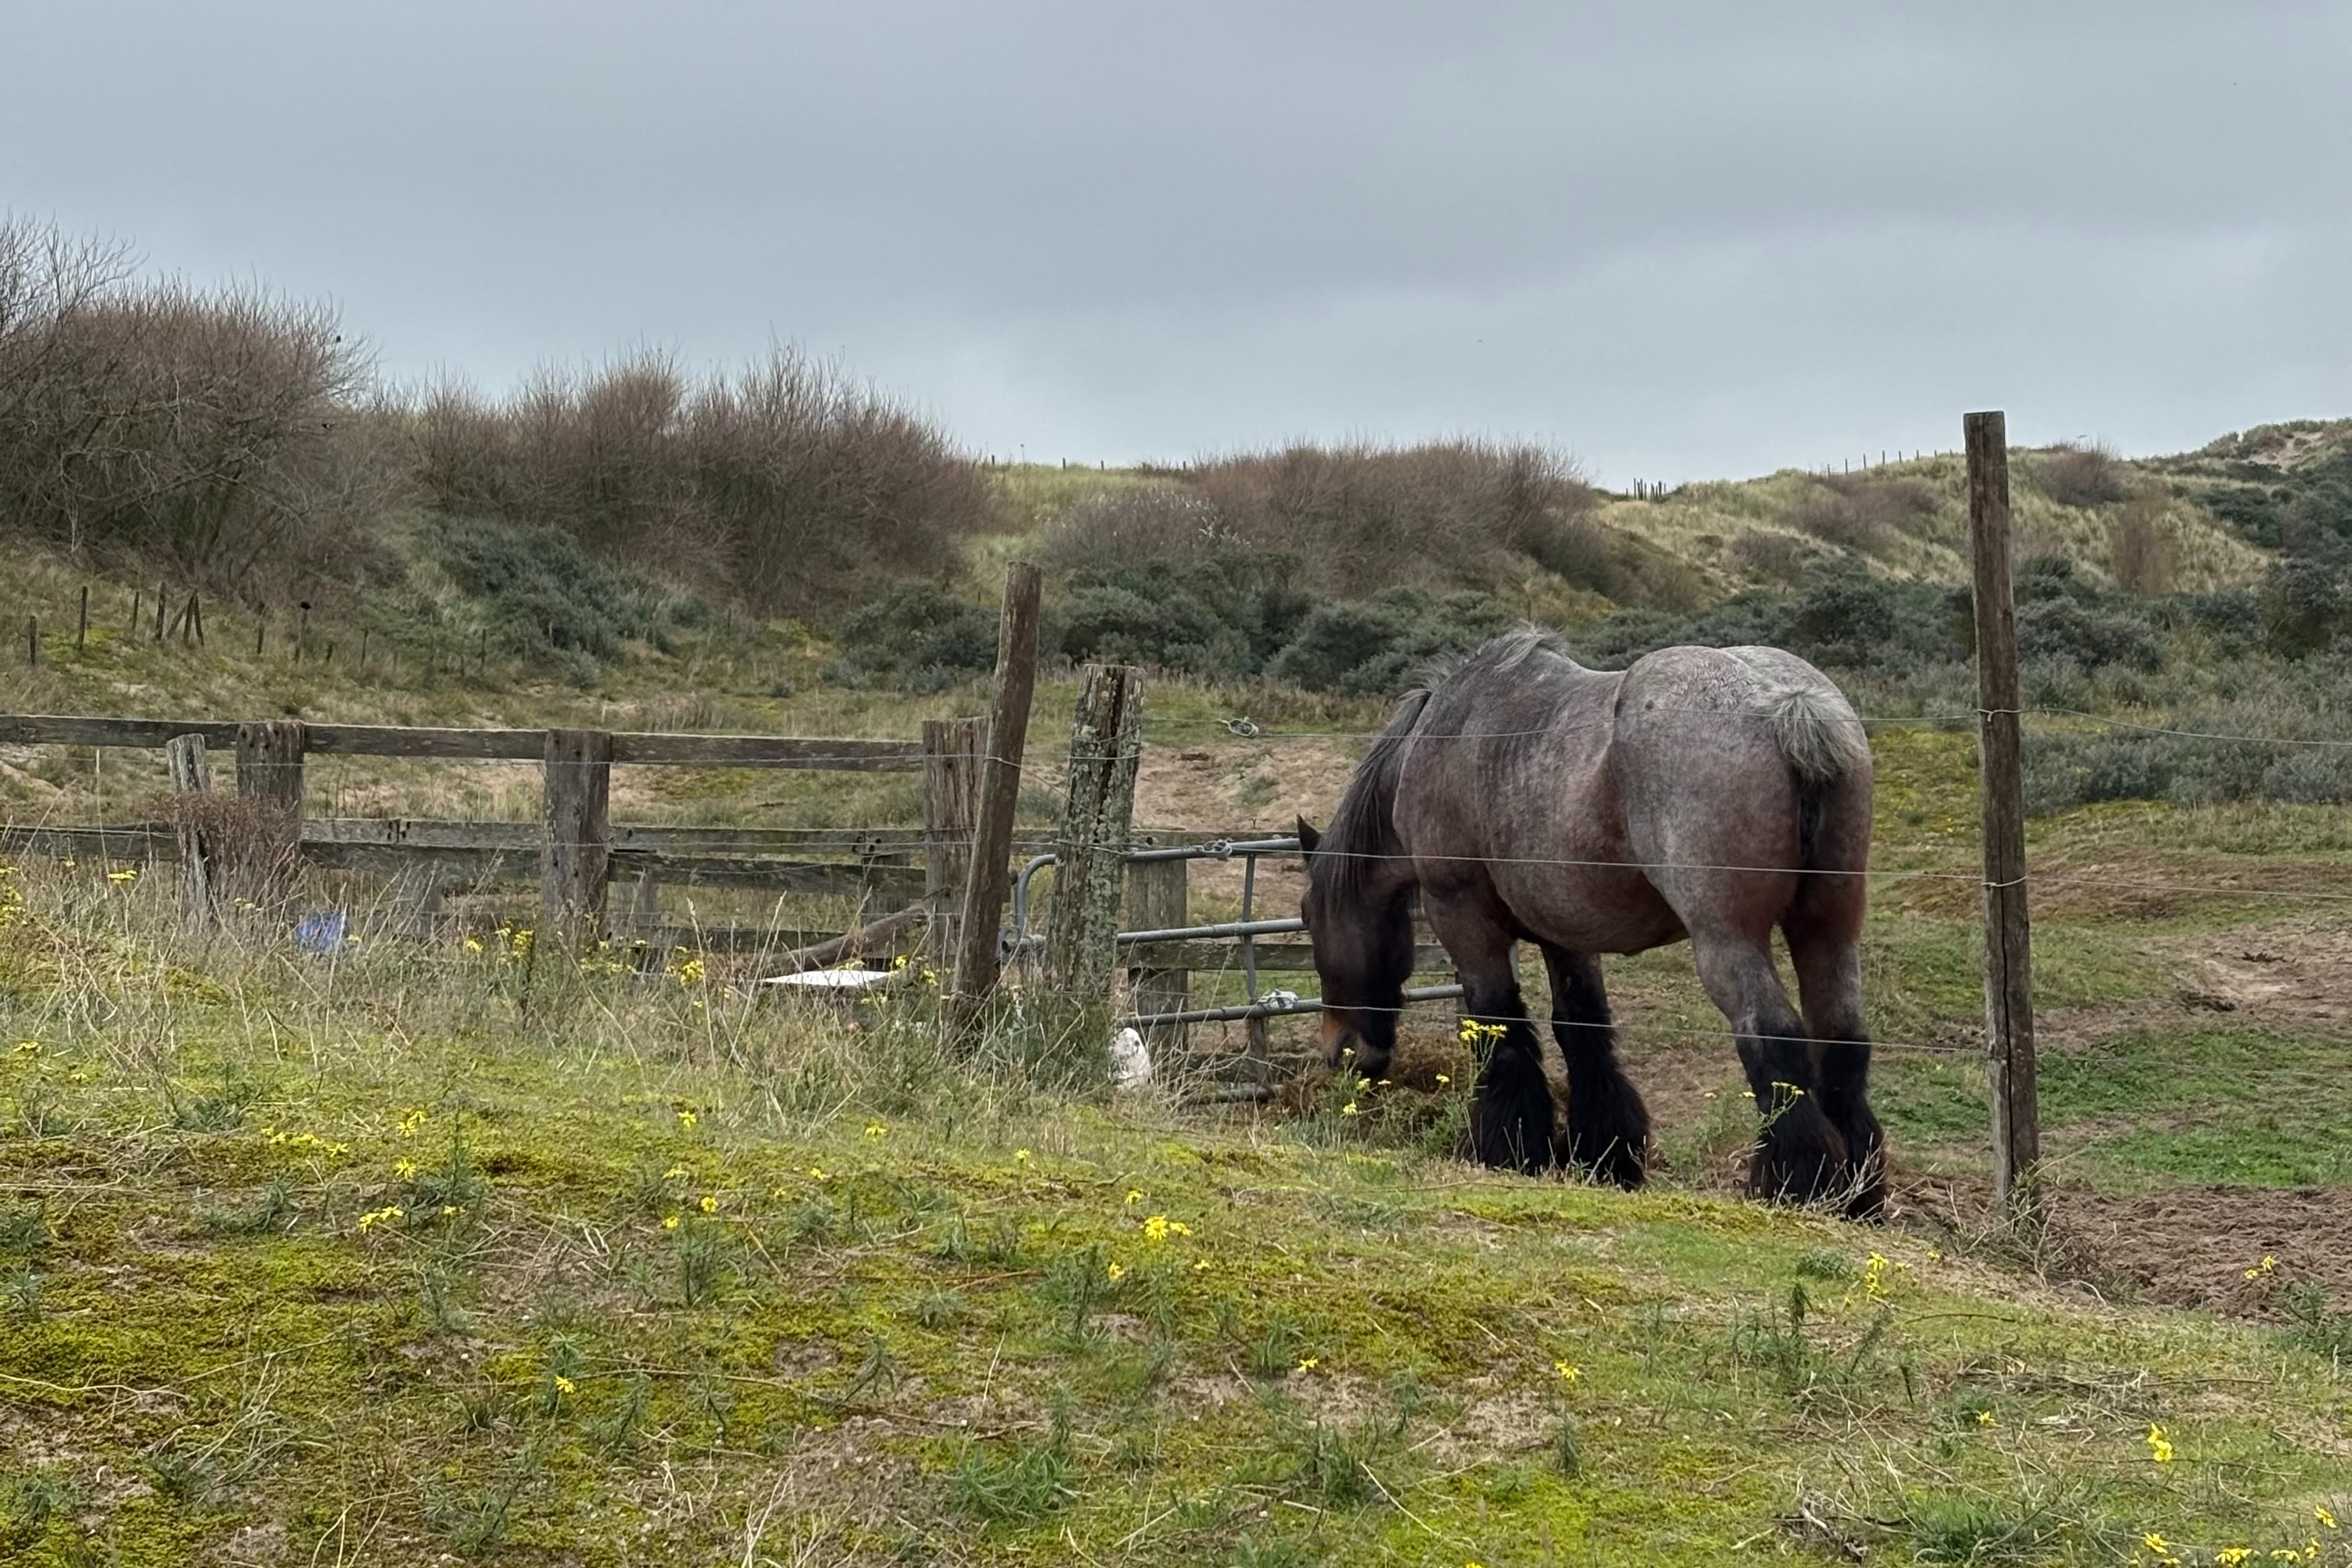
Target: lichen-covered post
(1090, 865)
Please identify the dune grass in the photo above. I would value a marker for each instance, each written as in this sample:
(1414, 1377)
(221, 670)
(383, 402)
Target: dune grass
(405, 1253)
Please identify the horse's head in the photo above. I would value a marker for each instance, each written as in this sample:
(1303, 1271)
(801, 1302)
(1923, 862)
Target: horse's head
(1360, 921)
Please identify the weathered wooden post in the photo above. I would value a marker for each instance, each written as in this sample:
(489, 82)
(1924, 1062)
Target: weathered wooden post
(192, 787)
(269, 781)
(988, 883)
(82, 628)
(1158, 899)
(2009, 948)
(1090, 854)
(951, 750)
(575, 847)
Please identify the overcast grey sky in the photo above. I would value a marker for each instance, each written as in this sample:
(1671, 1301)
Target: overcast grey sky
(1675, 239)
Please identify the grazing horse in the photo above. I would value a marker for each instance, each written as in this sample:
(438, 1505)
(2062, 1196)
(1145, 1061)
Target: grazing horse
(1711, 794)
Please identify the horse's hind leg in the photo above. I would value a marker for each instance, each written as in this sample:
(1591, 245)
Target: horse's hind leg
(1800, 1154)
(1608, 1125)
(1511, 1111)
(1823, 934)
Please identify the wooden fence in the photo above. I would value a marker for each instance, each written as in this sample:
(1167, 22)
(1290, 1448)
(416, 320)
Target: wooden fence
(575, 851)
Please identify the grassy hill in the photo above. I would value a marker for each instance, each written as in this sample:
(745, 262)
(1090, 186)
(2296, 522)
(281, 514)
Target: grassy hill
(462, 1250)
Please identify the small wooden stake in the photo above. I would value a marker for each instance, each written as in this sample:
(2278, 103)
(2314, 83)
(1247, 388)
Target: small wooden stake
(577, 832)
(952, 749)
(32, 639)
(1090, 855)
(82, 628)
(2009, 937)
(192, 783)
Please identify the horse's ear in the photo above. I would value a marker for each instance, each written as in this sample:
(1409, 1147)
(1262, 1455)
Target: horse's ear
(1307, 838)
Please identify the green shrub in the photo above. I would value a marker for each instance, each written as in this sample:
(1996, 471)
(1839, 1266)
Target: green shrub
(537, 591)
(918, 637)
(1377, 645)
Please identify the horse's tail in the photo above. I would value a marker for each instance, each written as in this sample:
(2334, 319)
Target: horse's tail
(1818, 733)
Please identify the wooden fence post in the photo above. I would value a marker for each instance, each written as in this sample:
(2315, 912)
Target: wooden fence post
(1090, 854)
(269, 778)
(575, 848)
(952, 749)
(2009, 949)
(989, 882)
(1158, 898)
(82, 628)
(191, 786)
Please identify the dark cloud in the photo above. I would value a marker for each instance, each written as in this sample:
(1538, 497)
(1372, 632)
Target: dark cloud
(1676, 239)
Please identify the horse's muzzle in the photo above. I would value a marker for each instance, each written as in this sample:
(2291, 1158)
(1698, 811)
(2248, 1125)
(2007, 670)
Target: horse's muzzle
(1345, 1048)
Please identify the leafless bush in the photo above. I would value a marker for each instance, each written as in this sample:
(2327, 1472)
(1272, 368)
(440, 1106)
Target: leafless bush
(1159, 521)
(1773, 557)
(165, 421)
(2073, 474)
(1833, 519)
(2138, 553)
(1360, 517)
(780, 482)
(1851, 511)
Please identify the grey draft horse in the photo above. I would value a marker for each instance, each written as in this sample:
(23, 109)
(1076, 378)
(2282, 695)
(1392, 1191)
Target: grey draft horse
(1711, 793)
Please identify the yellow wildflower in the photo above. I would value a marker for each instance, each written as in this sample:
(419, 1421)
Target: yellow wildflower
(2264, 1270)
(1568, 1371)
(1116, 1270)
(410, 1120)
(1986, 1418)
(2325, 1518)
(404, 1169)
(709, 1203)
(2154, 1541)
(1201, 1263)
(1133, 1197)
(565, 1386)
(374, 1218)
(876, 1129)
(687, 1119)
(2230, 1556)
(1348, 1109)
(473, 944)
(1310, 1363)
(1021, 1156)
(669, 1222)
(1442, 1081)
(816, 1173)
(2159, 1446)
(676, 1173)
(447, 1210)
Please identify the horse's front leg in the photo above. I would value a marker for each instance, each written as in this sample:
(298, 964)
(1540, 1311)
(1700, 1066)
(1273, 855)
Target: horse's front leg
(1608, 1125)
(1511, 1112)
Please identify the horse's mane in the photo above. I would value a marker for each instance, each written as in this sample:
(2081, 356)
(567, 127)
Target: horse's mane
(1362, 831)
(1362, 834)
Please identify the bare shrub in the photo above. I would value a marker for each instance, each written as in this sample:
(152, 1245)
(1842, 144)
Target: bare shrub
(1770, 557)
(1833, 519)
(160, 421)
(1361, 518)
(2138, 553)
(2075, 473)
(781, 482)
(1117, 528)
